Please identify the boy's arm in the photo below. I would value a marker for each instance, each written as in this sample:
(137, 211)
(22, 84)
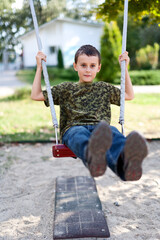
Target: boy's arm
(36, 93)
(129, 93)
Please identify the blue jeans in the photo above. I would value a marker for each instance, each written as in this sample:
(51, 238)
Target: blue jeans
(77, 137)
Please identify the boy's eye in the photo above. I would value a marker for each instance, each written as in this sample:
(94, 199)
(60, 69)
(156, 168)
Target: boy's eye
(84, 65)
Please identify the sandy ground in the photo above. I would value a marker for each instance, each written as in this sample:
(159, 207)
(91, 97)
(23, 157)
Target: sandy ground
(27, 191)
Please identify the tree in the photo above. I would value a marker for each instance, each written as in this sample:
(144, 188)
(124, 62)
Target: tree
(79, 9)
(139, 35)
(60, 59)
(110, 9)
(45, 10)
(5, 4)
(10, 24)
(110, 50)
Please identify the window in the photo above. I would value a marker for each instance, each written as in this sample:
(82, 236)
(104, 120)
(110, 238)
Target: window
(52, 49)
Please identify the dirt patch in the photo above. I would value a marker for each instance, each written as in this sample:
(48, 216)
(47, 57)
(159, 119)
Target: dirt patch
(27, 191)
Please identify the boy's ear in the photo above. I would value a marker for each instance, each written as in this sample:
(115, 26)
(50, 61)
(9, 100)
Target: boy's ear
(75, 66)
(99, 67)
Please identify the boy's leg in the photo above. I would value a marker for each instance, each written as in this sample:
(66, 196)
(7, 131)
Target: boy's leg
(123, 155)
(131, 158)
(126, 155)
(99, 142)
(90, 146)
(112, 155)
(76, 138)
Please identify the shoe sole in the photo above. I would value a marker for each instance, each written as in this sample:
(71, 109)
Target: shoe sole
(99, 143)
(135, 151)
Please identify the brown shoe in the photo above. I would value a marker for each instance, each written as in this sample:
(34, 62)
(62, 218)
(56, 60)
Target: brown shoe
(135, 150)
(99, 143)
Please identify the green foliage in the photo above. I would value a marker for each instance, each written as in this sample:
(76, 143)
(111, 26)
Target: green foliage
(56, 75)
(5, 4)
(139, 35)
(68, 74)
(10, 24)
(60, 59)
(133, 37)
(52, 9)
(147, 57)
(45, 11)
(149, 34)
(110, 9)
(79, 9)
(143, 23)
(143, 77)
(110, 50)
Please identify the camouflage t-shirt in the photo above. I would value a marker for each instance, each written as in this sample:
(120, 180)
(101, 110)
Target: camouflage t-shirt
(83, 103)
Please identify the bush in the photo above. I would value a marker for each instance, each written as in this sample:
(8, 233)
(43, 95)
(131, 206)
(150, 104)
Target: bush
(147, 58)
(143, 77)
(68, 74)
(56, 75)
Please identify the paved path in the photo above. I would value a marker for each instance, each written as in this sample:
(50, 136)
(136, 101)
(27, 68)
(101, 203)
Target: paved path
(9, 82)
(147, 89)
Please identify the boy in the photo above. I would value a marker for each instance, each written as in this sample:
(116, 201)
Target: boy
(85, 117)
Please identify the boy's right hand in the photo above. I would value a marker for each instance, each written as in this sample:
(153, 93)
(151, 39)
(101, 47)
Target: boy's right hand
(39, 57)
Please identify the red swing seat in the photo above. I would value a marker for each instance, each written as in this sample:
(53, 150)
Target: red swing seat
(61, 150)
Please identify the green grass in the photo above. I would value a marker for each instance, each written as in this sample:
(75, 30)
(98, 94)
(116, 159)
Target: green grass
(147, 99)
(22, 119)
(141, 114)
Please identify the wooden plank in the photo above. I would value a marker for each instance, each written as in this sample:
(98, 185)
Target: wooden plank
(78, 210)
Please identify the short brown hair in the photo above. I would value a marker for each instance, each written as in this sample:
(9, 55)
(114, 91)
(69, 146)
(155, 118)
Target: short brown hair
(88, 50)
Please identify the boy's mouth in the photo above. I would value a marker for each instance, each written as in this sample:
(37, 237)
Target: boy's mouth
(87, 75)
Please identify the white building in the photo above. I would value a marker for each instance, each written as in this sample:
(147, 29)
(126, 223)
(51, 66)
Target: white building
(64, 33)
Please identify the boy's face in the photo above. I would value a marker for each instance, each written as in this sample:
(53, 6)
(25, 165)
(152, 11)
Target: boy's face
(87, 68)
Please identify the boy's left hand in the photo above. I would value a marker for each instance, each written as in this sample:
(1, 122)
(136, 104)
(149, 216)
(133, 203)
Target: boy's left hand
(123, 57)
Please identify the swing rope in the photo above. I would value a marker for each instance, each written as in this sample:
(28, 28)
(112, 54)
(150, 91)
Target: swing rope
(124, 40)
(45, 73)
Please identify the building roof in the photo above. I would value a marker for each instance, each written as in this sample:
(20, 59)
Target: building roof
(64, 19)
